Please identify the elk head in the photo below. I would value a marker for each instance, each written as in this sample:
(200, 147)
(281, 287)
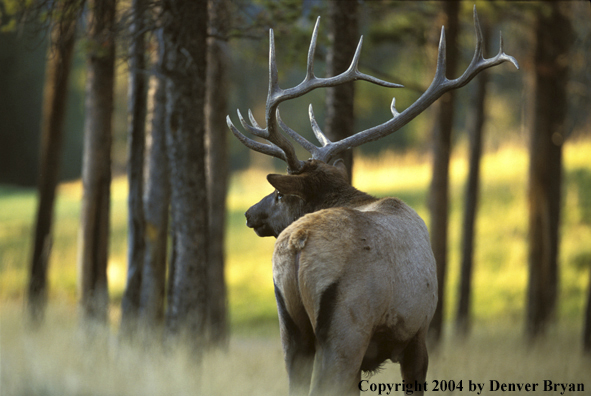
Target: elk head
(316, 186)
(275, 211)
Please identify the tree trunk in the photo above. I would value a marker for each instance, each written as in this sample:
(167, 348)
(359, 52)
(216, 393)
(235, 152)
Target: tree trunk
(438, 194)
(93, 244)
(54, 112)
(217, 166)
(343, 36)
(471, 201)
(156, 208)
(184, 25)
(137, 102)
(548, 131)
(587, 321)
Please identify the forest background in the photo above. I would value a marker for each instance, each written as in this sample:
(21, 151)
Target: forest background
(400, 44)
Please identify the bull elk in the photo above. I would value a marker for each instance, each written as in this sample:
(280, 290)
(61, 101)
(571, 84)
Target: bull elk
(355, 278)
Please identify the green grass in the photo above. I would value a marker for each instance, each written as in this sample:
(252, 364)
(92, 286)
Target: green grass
(59, 359)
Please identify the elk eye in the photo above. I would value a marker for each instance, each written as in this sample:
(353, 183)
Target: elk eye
(279, 196)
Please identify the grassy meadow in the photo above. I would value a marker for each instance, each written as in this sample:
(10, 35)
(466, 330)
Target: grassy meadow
(59, 359)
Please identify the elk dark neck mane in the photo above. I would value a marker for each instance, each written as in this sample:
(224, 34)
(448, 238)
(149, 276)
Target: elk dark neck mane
(324, 186)
(344, 196)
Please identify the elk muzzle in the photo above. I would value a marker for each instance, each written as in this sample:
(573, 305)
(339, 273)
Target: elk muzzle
(257, 217)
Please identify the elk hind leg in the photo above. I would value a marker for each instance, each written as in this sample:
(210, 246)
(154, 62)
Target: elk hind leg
(340, 347)
(414, 363)
(337, 369)
(298, 348)
(299, 360)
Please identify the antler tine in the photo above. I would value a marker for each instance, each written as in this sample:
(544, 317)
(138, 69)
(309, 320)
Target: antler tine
(354, 66)
(354, 71)
(393, 108)
(322, 139)
(269, 149)
(302, 141)
(478, 62)
(252, 119)
(254, 128)
(273, 73)
(441, 68)
(503, 55)
(312, 51)
(479, 38)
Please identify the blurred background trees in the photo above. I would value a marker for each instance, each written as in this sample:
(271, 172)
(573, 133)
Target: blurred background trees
(181, 91)
(136, 132)
(399, 41)
(548, 131)
(343, 27)
(93, 242)
(62, 39)
(217, 165)
(439, 191)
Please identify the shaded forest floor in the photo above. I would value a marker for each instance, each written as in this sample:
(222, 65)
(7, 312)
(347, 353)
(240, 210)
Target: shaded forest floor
(57, 360)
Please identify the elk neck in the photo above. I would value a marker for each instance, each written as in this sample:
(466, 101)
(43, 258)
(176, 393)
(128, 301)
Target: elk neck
(345, 196)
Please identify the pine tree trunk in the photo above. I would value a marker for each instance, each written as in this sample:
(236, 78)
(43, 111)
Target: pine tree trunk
(438, 194)
(184, 25)
(137, 103)
(156, 210)
(548, 129)
(93, 244)
(343, 36)
(54, 112)
(217, 166)
(587, 320)
(471, 200)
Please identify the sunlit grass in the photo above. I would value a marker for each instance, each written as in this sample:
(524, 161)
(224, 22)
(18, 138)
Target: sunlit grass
(392, 172)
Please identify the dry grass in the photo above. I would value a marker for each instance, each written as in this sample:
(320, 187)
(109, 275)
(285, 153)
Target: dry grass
(60, 359)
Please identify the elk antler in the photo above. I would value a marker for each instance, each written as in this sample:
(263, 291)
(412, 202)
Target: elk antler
(280, 147)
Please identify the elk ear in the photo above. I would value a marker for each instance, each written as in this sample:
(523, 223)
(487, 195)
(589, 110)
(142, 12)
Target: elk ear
(342, 168)
(288, 184)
